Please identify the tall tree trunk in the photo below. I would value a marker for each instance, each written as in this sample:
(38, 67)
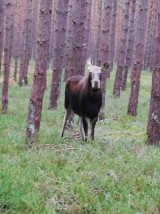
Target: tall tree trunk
(79, 18)
(130, 45)
(138, 57)
(112, 36)
(1, 30)
(119, 30)
(103, 55)
(153, 128)
(52, 34)
(148, 35)
(26, 47)
(69, 37)
(95, 25)
(7, 53)
(39, 82)
(153, 31)
(88, 27)
(34, 30)
(22, 43)
(77, 38)
(17, 38)
(59, 53)
(122, 52)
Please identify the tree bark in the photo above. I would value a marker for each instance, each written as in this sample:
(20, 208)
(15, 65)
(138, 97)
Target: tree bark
(7, 54)
(96, 26)
(122, 52)
(151, 43)
(79, 45)
(39, 82)
(52, 34)
(148, 35)
(26, 48)
(1, 30)
(59, 53)
(153, 127)
(130, 45)
(103, 55)
(22, 43)
(138, 57)
(17, 38)
(34, 30)
(119, 30)
(112, 37)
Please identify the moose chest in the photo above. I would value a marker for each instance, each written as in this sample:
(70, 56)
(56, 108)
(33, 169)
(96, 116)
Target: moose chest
(90, 104)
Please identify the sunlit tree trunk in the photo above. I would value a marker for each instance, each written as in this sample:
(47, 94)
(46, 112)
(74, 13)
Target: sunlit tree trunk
(153, 128)
(1, 30)
(39, 82)
(122, 52)
(7, 53)
(138, 57)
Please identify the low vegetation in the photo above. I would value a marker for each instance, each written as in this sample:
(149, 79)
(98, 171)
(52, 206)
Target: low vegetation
(117, 173)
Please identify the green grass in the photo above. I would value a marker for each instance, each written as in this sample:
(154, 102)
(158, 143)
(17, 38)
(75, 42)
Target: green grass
(117, 173)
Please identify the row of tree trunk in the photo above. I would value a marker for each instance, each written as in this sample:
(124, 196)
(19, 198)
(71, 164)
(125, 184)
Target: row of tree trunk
(65, 34)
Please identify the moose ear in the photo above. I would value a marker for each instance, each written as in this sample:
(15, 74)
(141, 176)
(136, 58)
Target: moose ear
(105, 66)
(88, 64)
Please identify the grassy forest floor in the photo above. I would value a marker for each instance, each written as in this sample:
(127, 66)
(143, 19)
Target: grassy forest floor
(116, 174)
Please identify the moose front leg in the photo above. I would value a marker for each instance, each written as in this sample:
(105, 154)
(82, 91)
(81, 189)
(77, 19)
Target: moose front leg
(84, 128)
(93, 123)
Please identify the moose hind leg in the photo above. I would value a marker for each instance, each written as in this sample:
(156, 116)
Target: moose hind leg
(66, 116)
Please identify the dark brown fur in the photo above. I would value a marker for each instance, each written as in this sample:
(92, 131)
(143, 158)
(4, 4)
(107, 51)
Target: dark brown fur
(83, 96)
(84, 101)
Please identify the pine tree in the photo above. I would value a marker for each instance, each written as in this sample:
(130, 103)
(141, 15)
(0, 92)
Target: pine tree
(39, 82)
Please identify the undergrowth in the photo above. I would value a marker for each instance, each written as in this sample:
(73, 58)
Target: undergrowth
(116, 174)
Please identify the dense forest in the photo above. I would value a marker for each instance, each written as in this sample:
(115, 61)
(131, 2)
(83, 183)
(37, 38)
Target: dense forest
(42, 44)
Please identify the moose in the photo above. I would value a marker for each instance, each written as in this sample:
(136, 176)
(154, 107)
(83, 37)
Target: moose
(83, 96)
